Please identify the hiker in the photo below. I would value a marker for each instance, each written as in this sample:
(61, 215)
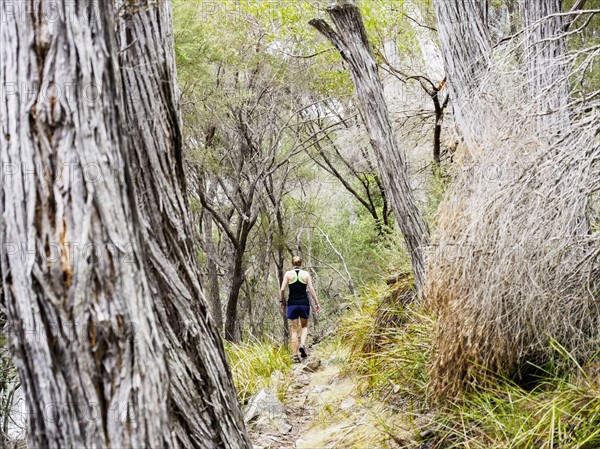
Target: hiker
(298, 306)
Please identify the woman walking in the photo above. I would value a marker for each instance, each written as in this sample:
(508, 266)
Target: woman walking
(298, 306)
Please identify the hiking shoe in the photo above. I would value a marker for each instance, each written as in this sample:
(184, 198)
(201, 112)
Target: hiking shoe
(295, 359)
(303, 352)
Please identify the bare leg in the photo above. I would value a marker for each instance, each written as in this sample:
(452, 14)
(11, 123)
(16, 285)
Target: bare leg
(304, 335)
(294, 326)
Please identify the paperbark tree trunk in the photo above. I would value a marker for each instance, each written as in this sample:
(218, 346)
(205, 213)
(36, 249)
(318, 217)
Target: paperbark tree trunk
(112, 336)
(467, 52)
(352, 42)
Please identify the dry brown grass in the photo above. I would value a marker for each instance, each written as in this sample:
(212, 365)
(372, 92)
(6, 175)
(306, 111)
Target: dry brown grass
(516, 258)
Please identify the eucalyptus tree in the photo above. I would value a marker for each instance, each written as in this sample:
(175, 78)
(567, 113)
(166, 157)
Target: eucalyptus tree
(110, 332)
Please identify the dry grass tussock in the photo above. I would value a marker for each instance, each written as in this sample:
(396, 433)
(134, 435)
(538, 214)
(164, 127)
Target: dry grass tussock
(515, 262)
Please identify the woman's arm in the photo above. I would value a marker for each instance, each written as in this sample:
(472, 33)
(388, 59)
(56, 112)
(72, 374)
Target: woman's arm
(284, 284)
(313, 293)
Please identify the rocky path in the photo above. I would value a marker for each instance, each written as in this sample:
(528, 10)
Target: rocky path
(322, 410)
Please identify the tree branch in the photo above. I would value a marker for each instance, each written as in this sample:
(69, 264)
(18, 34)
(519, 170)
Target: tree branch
(326, 30)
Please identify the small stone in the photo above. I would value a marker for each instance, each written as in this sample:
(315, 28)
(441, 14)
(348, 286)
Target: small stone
(283, 427)
(266, 426)
(303, 379)
(396, 389)
(263, 403)
(312, 366)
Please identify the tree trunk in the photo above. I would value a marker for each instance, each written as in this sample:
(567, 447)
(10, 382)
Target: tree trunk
(466, 51)
(545, 59)
(352, 43)
(237, 279)
(84, 338)
(275, 198)
(127, 356)
(203, 405)
(213, 274)
(439, 108)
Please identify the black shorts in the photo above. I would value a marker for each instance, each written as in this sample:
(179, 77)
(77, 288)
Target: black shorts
(295, 312)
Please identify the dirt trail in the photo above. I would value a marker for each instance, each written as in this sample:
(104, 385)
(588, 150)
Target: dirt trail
(325, 411)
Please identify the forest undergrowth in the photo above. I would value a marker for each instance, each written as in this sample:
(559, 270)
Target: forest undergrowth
(554, 405)
(385, 344)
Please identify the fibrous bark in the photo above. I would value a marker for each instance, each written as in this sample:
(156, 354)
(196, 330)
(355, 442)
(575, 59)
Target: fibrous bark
(352, 42)
(203, 405)
(114, 346)
(84, 340)
(514, 266)
(466, 51)
(546, 62)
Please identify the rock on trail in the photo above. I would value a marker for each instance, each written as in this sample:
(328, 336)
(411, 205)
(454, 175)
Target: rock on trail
(322, 410)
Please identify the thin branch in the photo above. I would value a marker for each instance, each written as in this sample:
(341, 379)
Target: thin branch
(327, 50)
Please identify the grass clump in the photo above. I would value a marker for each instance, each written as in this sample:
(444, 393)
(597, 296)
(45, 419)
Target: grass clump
(561, 411)
(389, 337)
(390, 346)
(253, 362)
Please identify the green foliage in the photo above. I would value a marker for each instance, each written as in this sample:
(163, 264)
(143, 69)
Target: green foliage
(252, 364)
(436, 190)
(192, 50)
(562, 411)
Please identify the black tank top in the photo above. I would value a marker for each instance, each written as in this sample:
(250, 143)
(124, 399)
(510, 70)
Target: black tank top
(298, 295)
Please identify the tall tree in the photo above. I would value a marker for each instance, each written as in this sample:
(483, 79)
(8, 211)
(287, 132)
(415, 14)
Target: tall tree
(352, 43)
(203, 405)
(114, 346)
(466, 50)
